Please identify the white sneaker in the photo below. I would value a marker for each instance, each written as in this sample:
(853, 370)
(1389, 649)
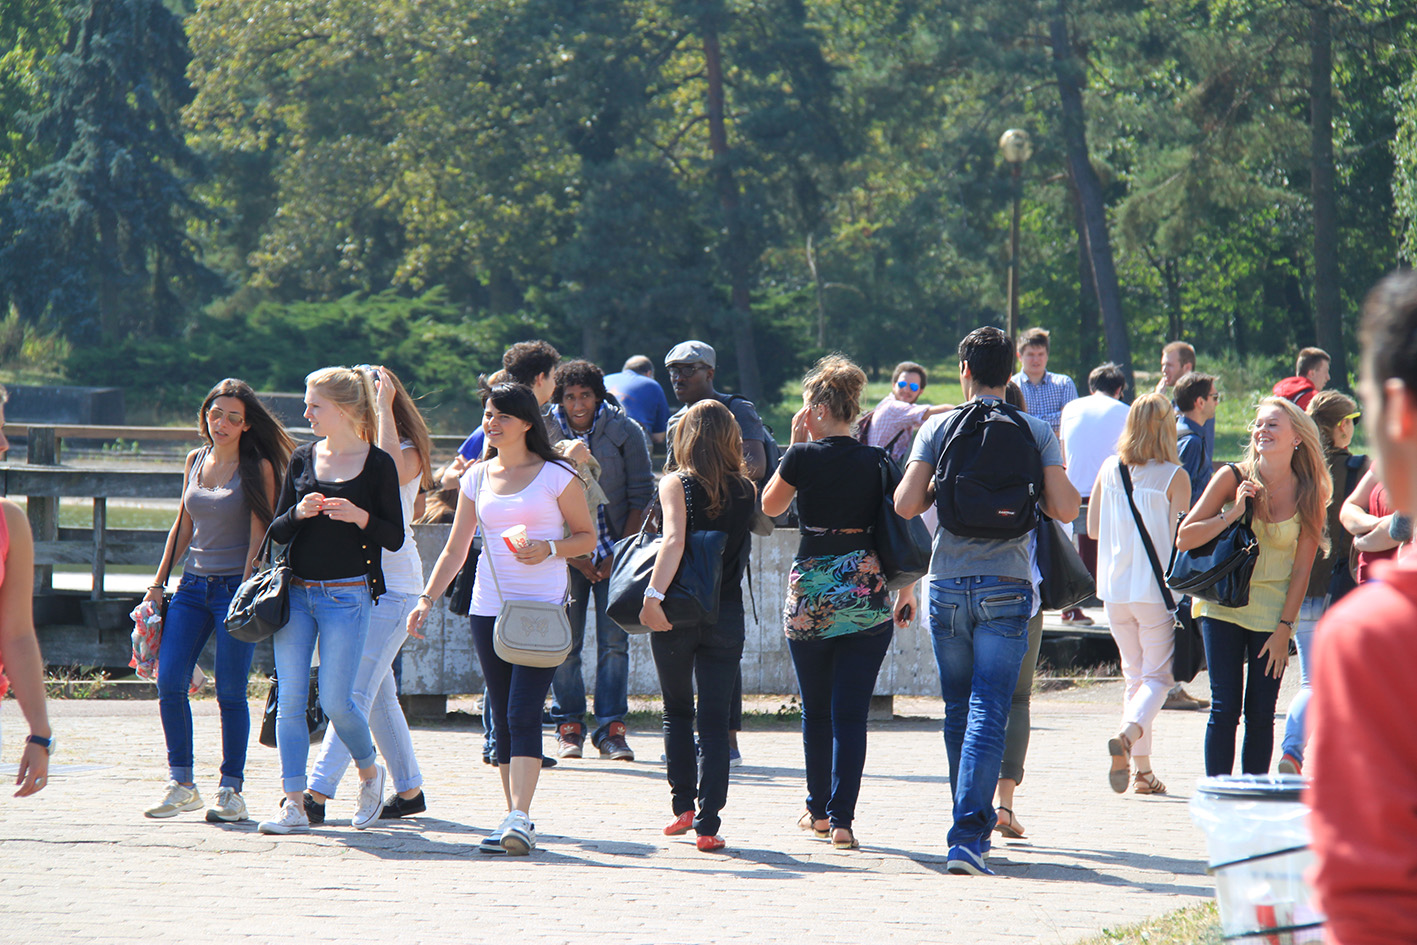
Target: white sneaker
(291, 819)
(371, 799)
(178, 800)
(492, 843)
(519, 837)
(228, 808)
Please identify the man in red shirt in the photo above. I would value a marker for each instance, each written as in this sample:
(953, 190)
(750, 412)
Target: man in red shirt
(1310, 376)
(1363, 756)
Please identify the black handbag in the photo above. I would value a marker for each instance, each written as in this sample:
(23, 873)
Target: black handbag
(1066, 580)
(1189, 654)
(459, 593)
(1219, 570)
(692, 597)
(902, 544)
(261, 605)
(315, 719)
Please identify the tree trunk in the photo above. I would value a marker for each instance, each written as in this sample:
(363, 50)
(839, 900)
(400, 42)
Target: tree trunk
(1094, 215)
(736, 249)
(1328, 316)
(109, 323)
(1087, 297)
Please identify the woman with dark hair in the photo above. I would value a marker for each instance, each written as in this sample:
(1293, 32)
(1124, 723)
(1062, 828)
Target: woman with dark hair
(339, 510)
(229, 491)
(839, 613)
(404, 436)
(617, 443)
(709, 472)
(522, 482)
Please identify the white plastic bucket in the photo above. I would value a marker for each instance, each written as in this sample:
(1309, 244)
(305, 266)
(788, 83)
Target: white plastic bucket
(1257, 832)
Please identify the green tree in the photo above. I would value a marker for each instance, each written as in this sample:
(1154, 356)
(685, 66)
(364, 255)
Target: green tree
(96, 239)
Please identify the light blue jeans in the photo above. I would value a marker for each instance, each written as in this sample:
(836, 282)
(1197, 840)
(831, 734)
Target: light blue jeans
(374, 694)
(337, 620)
(1309, 614)
(979, 628)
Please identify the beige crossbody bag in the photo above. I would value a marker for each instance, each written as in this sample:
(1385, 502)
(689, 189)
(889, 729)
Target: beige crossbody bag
(527, 632)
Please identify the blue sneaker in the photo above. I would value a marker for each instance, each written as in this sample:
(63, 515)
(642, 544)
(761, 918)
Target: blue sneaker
(967, 859)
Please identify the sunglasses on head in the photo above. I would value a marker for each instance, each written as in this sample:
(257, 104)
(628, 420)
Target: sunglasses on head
(904, 384)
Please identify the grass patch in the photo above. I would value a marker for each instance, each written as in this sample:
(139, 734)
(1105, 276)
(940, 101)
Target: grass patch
(1048, 678)
(78, 682)
(1193, 925)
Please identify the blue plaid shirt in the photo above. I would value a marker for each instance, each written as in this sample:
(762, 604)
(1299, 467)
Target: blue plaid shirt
(605, 539)
(1046, 398)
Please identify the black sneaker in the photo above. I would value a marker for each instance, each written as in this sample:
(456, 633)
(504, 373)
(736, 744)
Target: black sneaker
(316, 812)
(396, 807)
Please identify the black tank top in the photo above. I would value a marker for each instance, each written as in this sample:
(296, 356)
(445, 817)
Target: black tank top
(734, 518)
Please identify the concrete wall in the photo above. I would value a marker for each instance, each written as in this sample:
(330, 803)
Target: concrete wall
(65, 404)
(445, 663)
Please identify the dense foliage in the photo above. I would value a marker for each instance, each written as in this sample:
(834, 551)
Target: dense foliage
(423, 182)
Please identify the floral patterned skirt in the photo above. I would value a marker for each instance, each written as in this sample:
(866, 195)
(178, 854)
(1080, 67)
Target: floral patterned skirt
(832, 595)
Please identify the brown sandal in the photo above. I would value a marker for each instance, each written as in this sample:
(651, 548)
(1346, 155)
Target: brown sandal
(808, 822)
(1148, 783)
(1119, 747)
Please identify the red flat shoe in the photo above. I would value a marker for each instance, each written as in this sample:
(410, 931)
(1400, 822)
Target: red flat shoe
(708, 843)
(681, 824)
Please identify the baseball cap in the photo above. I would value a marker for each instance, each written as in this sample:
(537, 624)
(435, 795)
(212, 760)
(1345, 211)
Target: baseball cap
(690, 352)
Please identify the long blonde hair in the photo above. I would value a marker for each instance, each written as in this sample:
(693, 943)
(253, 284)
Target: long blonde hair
(353, 392)
(1150, 433)
(1313, 487)
(709, 446)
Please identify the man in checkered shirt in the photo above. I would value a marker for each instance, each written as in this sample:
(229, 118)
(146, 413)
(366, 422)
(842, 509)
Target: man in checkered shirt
(1045, 393)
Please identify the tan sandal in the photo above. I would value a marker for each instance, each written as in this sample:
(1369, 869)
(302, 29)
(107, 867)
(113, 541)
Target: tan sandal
(808, 822)
(1119, 748)
(1148, 783)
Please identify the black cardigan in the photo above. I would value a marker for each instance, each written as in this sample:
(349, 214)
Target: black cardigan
(328, 549)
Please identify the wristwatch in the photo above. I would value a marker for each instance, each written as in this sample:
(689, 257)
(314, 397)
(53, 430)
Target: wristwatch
(46, 743)
(652, 594)
(553, 547)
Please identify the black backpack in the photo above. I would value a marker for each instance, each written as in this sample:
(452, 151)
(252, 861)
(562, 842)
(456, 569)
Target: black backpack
(989, 476)
(771, 451)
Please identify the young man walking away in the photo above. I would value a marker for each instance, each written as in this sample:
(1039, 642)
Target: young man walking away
(994, 462)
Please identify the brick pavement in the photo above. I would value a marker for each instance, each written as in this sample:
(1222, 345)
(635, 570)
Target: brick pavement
(79, 863)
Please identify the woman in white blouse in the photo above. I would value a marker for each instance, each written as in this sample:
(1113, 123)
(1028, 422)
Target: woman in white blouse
(1126, 583)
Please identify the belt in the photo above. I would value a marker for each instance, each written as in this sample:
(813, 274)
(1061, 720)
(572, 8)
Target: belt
(301, 582)
(821, 546)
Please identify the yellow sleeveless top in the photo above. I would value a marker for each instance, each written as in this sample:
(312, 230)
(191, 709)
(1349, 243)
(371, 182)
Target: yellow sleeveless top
(1268, 585)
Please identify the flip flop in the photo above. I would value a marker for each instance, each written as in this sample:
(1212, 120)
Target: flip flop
(1008, 829)
(1120, 747)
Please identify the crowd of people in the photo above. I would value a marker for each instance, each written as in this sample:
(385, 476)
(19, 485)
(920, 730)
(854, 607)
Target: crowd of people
(562, 458)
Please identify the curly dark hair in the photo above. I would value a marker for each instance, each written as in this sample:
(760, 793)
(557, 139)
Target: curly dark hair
(526, 360)
(579, 373)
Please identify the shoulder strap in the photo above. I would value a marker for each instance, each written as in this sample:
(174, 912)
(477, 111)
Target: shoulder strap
(1166, 597)
(1239, 478)
(1356, 465)
(481, 474)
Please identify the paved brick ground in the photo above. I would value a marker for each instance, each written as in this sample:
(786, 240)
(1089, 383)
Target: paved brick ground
(79, 863)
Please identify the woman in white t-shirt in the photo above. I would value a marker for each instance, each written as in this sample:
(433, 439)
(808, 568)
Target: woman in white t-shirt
(404, 436)
(521, 482)
(1126, 583)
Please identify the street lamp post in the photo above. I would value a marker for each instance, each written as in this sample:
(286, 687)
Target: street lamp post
(1016, 149)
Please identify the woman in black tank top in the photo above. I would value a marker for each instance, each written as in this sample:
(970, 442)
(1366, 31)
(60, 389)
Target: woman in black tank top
(708, 450)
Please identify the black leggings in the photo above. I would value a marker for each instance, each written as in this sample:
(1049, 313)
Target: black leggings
(516, 695)
(708, 653)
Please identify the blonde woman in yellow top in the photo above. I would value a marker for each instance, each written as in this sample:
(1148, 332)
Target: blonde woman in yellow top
(1285, 481)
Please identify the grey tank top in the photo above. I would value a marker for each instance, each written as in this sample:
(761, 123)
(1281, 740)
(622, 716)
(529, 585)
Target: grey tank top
(221, 523)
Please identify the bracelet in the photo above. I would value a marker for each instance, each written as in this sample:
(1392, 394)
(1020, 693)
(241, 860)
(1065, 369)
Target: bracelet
(157, 587)
(425, 597)
(553, 547)
(1287, 623)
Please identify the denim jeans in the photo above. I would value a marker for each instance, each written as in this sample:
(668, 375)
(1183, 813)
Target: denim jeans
(836, 677)
(515, 696)
(375, 695)
(195, 611)
(708, 654)
(979, 628)
(1309, 614)
(1228, 649)
(612, 662)
(337, 620)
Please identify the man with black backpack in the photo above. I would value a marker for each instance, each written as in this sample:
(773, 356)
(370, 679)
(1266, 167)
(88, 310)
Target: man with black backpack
(989, 469)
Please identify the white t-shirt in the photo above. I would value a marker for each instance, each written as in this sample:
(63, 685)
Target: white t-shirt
(403, 569)
(535, 507)
(1089, 429)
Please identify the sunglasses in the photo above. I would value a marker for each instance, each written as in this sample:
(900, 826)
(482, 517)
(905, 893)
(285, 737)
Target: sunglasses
(904, 384)
(216, 413)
